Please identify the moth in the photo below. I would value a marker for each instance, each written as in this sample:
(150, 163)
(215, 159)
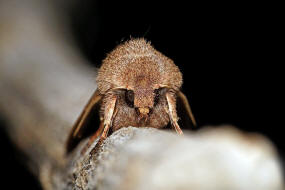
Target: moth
(137, 86)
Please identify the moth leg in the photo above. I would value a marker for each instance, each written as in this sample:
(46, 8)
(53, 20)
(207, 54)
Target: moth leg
(99, 131)
(105, 124)
(108, 116)
(171, 101)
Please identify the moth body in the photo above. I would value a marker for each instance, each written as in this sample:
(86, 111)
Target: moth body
(137, 86)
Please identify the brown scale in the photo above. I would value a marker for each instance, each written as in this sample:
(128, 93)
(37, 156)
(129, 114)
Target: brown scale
(137, 86)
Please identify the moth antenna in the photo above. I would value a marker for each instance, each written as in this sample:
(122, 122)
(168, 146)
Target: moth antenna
(147, 30)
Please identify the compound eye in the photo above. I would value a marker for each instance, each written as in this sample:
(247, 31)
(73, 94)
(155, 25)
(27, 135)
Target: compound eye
(130, 96)
(156, 96)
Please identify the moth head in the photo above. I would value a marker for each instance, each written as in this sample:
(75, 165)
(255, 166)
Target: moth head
(141, 100)
(144, 98)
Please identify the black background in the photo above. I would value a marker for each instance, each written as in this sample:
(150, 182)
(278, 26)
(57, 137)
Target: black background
(226, 52)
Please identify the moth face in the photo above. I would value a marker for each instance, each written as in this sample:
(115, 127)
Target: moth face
(143, 100)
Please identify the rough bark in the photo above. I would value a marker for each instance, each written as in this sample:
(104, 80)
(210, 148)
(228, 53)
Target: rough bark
(44, 85)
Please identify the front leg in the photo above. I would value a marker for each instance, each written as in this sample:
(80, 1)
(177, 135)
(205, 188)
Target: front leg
(108, 115)
(106, 123)
(171, 110)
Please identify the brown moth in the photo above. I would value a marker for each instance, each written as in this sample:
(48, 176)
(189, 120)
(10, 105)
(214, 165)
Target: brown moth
(137, 86)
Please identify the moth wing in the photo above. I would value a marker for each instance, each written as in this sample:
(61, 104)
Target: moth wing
(184, 112)
(79, 128)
